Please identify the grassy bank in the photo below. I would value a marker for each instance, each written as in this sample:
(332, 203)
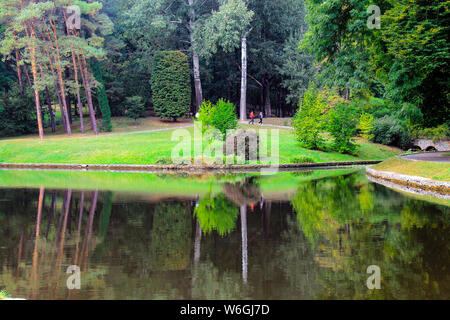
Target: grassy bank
(148, 148)
(431, 170)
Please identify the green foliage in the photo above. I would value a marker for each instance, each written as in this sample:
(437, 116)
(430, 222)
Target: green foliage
(297, 69)
(223, 116)
(171, 85)
(390, 131)
(224, 28)
(302, 159)
(437, 133)
(216, 213)
(308, 121)
(17, 113)
(220, 116)
(405, 61)
(366, 125)
(342, 127)
(3, 294)
(134, 107)
(101, 96)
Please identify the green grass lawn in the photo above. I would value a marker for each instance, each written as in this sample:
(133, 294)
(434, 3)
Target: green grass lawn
(147, 148)
(432, 170)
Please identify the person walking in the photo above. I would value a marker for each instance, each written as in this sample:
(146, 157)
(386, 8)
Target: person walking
(261, 117)
(252, 118)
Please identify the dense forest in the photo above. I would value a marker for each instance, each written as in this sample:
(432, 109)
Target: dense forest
(260, 54)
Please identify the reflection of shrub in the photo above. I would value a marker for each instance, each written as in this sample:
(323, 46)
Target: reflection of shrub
(171, 236)
(216, 213)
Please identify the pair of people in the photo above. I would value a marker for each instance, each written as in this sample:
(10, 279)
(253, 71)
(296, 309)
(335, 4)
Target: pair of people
(252, 118)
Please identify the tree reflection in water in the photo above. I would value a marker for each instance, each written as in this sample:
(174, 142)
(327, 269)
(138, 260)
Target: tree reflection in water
(318, 245)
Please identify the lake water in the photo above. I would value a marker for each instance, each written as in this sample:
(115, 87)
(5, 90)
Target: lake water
(294, 235)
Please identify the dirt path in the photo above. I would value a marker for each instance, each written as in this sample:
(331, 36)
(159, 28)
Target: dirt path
(441, 157)
(147, 131)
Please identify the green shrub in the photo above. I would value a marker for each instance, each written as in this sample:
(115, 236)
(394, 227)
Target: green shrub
(302, 159)
(441, 132)
(342, 126)
(308, 121)
(134, 107)
(164, 160)
(17, 114)
(220, 116)
(171, 84)
(223, 116)
(390, 131)
(366, 125)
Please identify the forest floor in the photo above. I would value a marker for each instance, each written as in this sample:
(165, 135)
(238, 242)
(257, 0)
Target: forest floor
(439, 171)
(148, 140)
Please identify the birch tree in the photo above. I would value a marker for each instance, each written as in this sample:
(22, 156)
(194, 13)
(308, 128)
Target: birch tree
(228, 28)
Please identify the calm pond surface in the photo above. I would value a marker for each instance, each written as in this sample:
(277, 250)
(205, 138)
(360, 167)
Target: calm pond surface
(295, 235)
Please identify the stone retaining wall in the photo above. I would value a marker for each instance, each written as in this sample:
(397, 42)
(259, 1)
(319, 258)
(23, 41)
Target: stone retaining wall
(410, 181)
(127, 167)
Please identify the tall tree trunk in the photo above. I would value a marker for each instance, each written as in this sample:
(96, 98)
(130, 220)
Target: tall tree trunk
(195, 58)
(60, 78)
(80, 106)
(77, 87)
(50, 109)
(19, 73)
(69, 108)
(87, 88)
(36, 92)
(267, 103)
(243, 108)
(55, 83)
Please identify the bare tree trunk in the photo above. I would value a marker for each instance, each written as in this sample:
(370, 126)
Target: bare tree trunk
(55, 82)
(61, 81)
(80, 106)
(19, 73)
(243, 108)
(77, 87)
(195, 58)
(36, 92)
(87, 89)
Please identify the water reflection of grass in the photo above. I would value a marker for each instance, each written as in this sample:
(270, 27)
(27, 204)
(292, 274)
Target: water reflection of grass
(148, 183)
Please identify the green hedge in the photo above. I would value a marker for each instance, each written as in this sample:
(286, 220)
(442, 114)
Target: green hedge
(171, 84)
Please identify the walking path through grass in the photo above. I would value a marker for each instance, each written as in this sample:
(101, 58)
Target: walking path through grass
(442, 157)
